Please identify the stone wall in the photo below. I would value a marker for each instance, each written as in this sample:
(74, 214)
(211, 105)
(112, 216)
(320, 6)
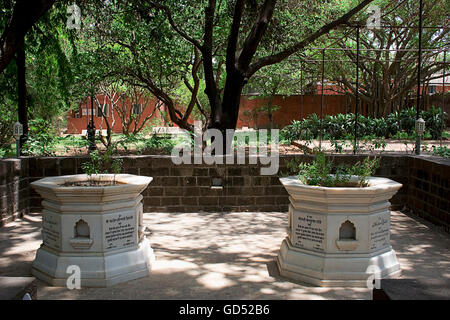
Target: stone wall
(429, 189)
(14, 191)
(188, 188)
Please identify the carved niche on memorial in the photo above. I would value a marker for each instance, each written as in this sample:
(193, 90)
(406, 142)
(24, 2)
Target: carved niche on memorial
(81, 239)
(98, 228)
(347, 237)
(335, 234)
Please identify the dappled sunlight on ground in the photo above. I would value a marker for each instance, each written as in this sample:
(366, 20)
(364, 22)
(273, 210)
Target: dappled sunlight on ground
(19, 241)
(422, 249)
(224, 256)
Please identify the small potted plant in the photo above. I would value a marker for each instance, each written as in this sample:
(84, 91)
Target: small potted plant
(339, 224)
(93, 221)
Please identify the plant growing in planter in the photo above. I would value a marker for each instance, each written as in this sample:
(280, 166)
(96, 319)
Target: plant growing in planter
(95, 222)
(320, 172)
(339, 224)
(102, 164)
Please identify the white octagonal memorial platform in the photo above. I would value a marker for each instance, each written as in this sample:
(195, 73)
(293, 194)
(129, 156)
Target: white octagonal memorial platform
(96, 228)
(338, 236)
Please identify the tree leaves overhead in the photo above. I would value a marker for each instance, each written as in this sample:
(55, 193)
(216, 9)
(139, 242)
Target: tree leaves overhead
(388, 78)
(193, 62)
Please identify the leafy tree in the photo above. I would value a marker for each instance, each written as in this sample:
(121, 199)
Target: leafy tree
(284, 78)
(139, 52)
(387, 78)
(111, 96)
(132, 119)
(21, 17)
(38, 78)
(241, 43)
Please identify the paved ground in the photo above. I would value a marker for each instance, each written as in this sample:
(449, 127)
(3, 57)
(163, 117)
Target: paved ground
(397, 146)
(224, 256)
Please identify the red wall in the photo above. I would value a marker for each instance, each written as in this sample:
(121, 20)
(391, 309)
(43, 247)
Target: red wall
(291, 108)
(76, 125)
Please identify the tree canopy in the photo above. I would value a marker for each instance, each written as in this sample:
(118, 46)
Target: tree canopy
(197, 58)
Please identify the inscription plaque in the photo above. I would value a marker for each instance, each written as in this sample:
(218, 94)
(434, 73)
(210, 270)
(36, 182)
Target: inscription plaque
(308, 231)
(51, 230)
(379, 232)
(120, 231)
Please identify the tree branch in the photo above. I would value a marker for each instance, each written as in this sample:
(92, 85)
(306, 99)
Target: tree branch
(254, 37)
(174, 26)
(272, 59)
(234, 35)
(25, 15)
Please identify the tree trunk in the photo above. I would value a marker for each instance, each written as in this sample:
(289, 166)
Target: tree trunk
(269, 111)
(24, 16)
(22, 91)
(225, 115)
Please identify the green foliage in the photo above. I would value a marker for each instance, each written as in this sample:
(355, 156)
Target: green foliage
(7, 120)
(102, 163)
(143, 144)
(41, 139)
(126, 140)
(317, 173)
(73, 141)
(7, 151)
(364, 169)
(441, 151)
(323, 173)
(93, 165)
(398, 125)
(8, 104)
(434, 122)
(159, 143)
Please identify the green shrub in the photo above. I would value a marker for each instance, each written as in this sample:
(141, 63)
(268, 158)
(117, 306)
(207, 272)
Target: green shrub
(7, 151)
(41, 139)
(102, 163)
(323, 173)
(159, 143)
(397, 125)
(434, 122)
(7, 120)
(441, 151)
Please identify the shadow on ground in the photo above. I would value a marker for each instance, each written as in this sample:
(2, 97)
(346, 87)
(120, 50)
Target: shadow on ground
(224, 256)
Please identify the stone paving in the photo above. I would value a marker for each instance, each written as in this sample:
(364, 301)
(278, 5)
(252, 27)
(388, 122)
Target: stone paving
(392, 146)
(224, 256)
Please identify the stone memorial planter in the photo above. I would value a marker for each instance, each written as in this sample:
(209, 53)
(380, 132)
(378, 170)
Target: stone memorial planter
(97, 228)
(338, 236)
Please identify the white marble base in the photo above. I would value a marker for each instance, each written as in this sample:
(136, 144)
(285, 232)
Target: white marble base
(334, 270)
(97, 270)
(96, 228)
(338, 236)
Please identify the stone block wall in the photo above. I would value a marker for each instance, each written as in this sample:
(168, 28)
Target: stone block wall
(189, 188)
(39, 168)
(14, 191)
(183, 188)
(429, 189)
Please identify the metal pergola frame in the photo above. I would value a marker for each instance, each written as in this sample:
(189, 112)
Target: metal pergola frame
(358, 50)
